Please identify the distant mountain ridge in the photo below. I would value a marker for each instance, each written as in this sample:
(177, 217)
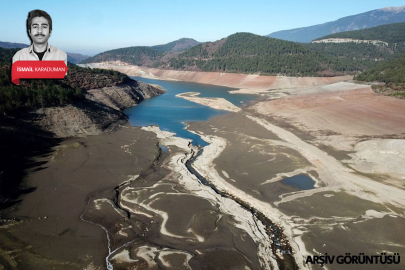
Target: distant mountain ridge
(355, 22)
(250, 54)
(240, 52)
(390, 33)
(10, 45)
(177, 45)
(72, 57)
(144, 55)
(253, 54)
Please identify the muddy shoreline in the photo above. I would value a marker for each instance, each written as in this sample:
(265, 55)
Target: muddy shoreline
(274, 232)
(82, 208)
(46, 222)
(166, 215)
(246, 83)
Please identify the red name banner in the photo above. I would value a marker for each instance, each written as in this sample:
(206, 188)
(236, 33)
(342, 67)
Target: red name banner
(38, 70)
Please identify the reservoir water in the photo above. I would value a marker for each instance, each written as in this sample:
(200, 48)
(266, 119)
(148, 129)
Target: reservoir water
(171, 112)
(300, 181)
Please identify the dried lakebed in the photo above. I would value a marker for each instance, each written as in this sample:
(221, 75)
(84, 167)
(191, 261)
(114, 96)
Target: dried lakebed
(187, 221)
(224, 205)
(324, 129)
(251, 152)
(176, 223)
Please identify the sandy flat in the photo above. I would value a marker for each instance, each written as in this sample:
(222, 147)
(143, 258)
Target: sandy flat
(216, 103)
(364, 132)
(351, 111)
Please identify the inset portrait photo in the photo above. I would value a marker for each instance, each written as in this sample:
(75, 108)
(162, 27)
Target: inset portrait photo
(39, 29)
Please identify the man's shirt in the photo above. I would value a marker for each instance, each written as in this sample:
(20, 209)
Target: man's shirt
(28, 54)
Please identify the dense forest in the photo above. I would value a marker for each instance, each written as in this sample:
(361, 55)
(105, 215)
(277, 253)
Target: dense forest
(249, 53)
(176, 46)
(36, 93)
(6, 55)
(139, 55)
(391, 33)
(241, 52)
(366, 54)
(389, 61)
(143, 55)
(391, 73)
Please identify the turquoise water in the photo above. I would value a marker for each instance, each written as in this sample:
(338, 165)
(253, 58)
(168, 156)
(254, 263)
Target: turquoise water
(169, 111)
(300, 181)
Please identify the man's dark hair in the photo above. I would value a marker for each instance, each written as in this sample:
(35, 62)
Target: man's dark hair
(38, 13)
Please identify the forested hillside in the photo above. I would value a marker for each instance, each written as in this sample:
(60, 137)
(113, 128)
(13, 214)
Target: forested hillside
(391, 33)
(143, 55)
(177, 46)
(41, 93)
(358, 56)
(249, 53)
(6, 55)
(391, 72)
(365, 55)
(139, 55)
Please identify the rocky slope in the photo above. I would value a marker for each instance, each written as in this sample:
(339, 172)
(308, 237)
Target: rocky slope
(100, 111)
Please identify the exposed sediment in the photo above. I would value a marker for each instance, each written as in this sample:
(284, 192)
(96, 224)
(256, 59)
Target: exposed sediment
(216, 103)
(280, 246)
(252, 82)
(351, 193)
(268, 214)
(76, 170)
(246, 220)
(167, 218)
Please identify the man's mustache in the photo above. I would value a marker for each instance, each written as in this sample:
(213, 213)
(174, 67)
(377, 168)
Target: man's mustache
(39, 35)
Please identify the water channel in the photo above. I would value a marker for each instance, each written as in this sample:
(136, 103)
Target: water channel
(170, 112)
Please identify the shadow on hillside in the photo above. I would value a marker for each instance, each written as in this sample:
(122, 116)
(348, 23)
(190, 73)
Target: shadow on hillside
(20, 143)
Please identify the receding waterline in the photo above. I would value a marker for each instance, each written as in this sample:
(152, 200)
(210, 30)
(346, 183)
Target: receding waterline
(164, 148)
(301, 181)
(171, 113)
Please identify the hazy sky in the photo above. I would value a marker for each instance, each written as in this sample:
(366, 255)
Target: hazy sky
(90, 27)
